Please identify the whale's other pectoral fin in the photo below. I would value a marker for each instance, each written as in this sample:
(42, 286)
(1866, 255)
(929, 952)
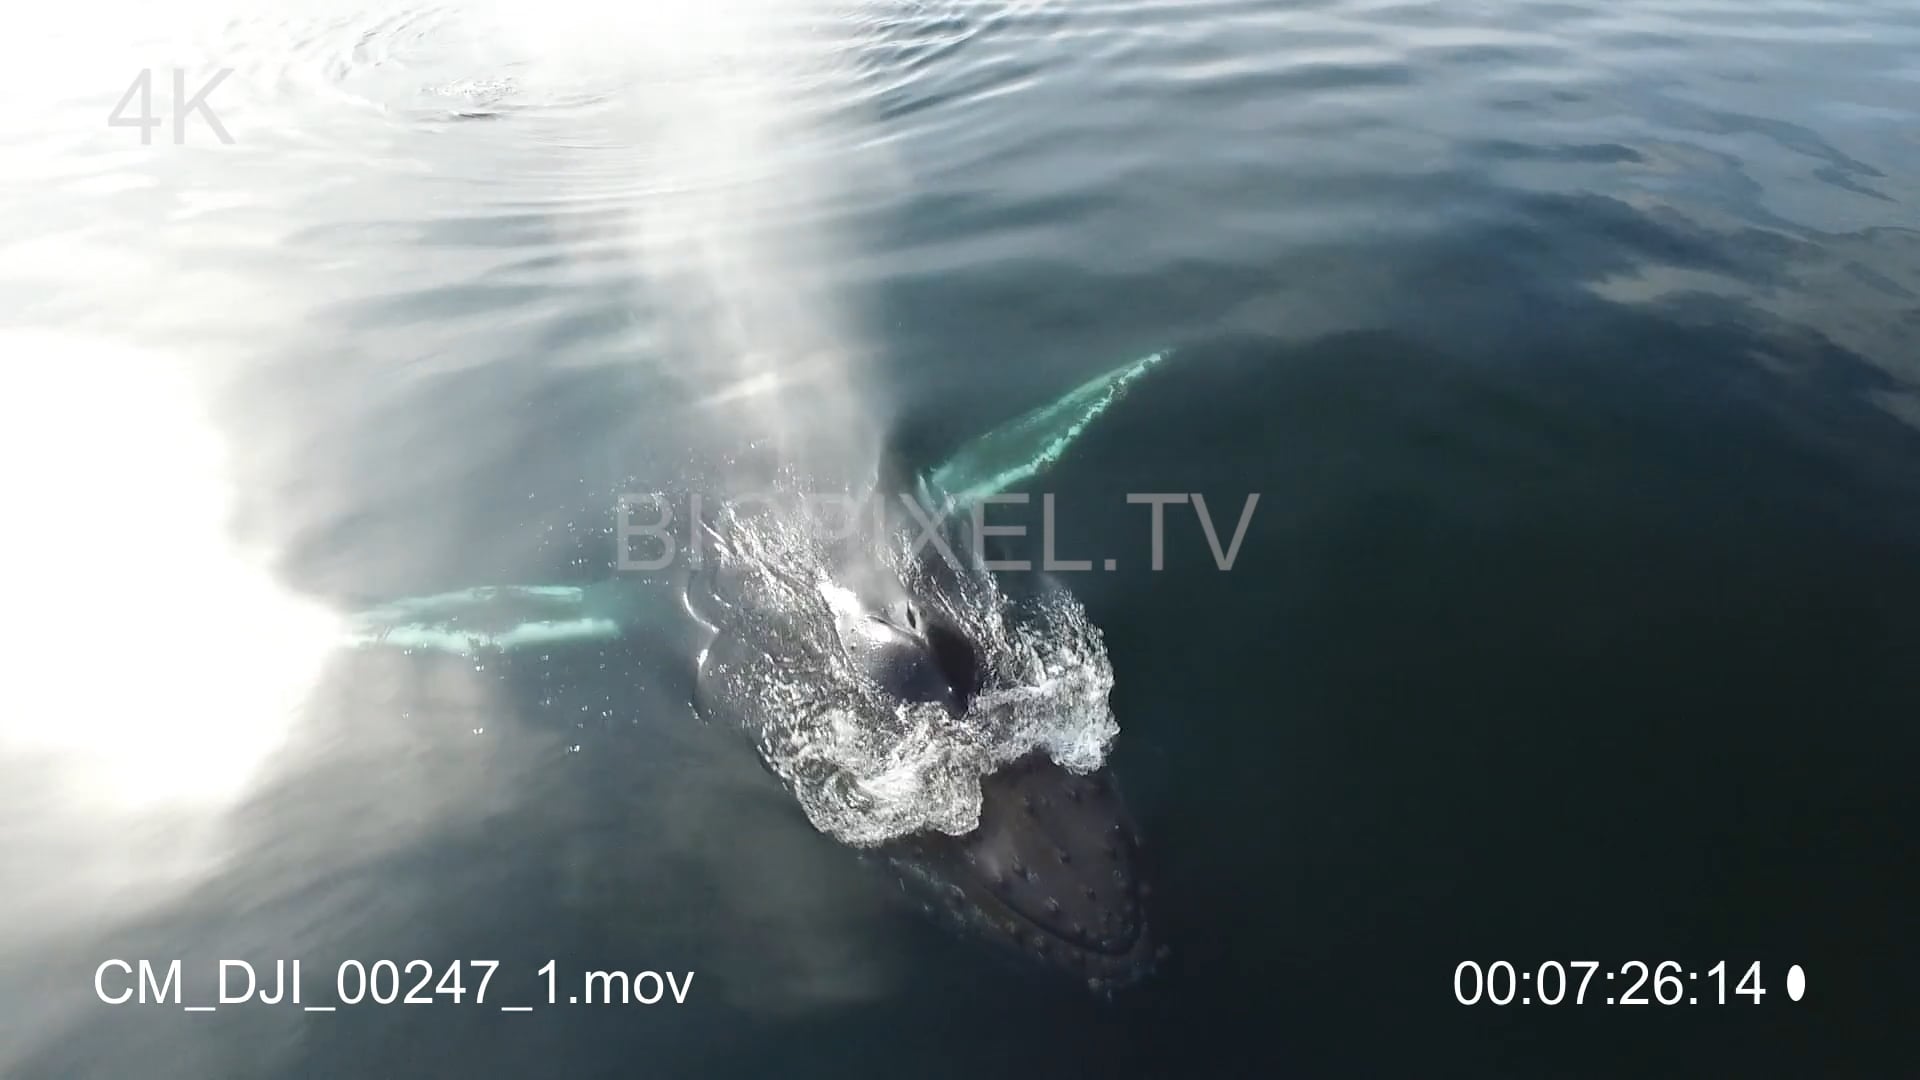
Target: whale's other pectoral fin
(502, 617)
(1029, 444)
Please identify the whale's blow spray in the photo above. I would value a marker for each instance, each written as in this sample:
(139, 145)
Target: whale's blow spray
(746, 162)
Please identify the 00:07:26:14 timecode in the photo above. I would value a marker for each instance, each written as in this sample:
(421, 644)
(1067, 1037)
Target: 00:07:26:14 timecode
(1498, 984)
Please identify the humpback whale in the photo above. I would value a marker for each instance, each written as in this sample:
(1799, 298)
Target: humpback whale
(938, 719)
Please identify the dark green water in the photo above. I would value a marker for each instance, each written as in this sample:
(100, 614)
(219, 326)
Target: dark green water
(1568, 346)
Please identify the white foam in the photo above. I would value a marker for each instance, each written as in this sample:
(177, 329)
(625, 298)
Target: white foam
(865, 766)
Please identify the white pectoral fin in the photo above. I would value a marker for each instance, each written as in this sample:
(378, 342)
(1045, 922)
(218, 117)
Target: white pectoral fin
(506, 617)
(1029, 444)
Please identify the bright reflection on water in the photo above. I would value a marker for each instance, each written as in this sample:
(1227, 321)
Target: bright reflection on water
(157, 663)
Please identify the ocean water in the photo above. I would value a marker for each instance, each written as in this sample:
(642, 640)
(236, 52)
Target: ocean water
(1568, 348)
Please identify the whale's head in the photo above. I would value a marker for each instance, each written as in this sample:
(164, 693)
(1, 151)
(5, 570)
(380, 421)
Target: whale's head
(1052, 872)
(1053, 869)
(920, 714)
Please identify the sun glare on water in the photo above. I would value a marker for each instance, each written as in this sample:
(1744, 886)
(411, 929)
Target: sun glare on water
(159, 664)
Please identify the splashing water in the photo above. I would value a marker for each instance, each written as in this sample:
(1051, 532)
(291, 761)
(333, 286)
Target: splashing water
(866, 766)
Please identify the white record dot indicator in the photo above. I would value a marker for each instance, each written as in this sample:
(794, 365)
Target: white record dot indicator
(1796, 982)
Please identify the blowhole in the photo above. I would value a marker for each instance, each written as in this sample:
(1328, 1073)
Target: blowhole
(957, 659)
